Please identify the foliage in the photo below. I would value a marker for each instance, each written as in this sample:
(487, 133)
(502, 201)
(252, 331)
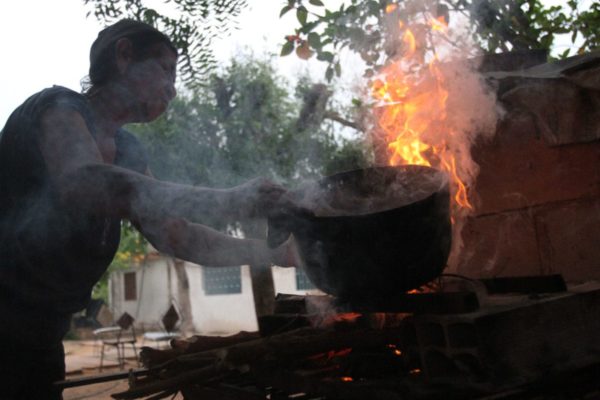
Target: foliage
(132, 251)
(498, 25)
(193, 27)
(244, 123)
(585, 24)
(359, 25)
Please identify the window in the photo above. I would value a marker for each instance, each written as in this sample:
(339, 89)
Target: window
(222, 280)
(302, 281)
(130, 284)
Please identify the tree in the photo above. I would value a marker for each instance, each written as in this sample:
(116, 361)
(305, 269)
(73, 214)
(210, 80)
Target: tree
(241, 124)
(498, 26)
(359, 25)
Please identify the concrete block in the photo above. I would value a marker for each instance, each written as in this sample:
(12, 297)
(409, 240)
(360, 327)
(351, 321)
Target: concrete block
(514, 340)
(499, 245)
(569, 239)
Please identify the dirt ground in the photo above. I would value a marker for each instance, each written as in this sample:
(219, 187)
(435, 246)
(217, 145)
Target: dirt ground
(82, 359)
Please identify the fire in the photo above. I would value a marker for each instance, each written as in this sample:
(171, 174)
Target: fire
(410, 114)
(349, 317)
(390, 8)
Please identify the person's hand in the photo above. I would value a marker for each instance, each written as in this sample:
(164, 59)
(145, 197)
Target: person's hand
(259, 197)
(287, 254)
(285, 218)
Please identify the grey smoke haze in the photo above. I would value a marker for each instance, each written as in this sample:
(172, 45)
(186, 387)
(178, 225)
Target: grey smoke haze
(377, 192)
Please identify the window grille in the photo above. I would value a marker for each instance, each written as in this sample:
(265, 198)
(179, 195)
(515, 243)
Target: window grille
(222, 280)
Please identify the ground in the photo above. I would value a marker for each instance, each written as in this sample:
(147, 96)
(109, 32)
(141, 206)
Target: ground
(82, 358)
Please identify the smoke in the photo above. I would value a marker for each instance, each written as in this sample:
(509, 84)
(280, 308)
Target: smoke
(369, 191)
(472, 116)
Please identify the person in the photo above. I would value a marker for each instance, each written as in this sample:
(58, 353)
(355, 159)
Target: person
(70, 173)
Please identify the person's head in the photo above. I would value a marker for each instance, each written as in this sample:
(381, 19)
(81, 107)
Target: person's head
(140, 61)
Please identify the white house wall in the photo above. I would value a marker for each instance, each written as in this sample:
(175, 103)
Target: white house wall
(155, 291)
(224, 313)
(156, 285)
(152, 296)
(285, 281)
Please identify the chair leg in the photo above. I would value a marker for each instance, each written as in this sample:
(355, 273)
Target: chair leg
(102, 357)
(122, 355)
(119, 356)
(137, 359)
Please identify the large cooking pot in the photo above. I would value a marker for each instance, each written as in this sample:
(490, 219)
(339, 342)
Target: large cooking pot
(369, 235)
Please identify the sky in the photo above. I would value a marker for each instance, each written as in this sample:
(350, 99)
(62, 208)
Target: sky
(46, 43)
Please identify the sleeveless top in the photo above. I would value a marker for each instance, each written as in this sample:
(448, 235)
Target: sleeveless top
(50, 256)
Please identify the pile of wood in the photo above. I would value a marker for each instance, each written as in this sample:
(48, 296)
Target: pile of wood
(300, 348)
(206, 366)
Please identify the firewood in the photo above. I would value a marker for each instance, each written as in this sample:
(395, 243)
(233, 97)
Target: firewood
(280, 349)
(219, 392)
(152, 357)
(206, 375)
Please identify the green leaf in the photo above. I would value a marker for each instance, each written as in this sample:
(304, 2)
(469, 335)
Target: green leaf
(287, 48)
(329, 73)
(574, 36)
(314, 40)
(302, 14)
(309, 26)
(338, 69)
(374, 7)
(317, 3)
(285, 9)
(325, 56)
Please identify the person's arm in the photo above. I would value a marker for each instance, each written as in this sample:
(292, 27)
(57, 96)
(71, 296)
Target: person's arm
(202, 245)
(83, 180)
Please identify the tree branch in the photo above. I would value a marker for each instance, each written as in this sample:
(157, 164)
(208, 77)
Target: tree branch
(334, 116)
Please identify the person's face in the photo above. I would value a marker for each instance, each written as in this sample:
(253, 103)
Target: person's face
(152, 82)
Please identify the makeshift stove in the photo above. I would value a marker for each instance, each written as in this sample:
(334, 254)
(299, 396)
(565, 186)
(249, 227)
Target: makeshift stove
(528, 337)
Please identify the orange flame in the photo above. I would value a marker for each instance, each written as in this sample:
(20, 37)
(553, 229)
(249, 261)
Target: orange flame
(390, 8)
(411, 110)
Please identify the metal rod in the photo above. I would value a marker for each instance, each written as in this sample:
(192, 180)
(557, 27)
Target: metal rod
(90, 380)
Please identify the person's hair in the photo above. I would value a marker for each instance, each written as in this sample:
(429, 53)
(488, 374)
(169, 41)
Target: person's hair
(103, 65)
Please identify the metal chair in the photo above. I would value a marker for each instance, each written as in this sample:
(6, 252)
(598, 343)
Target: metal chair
(118, 336)
(169, 324)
